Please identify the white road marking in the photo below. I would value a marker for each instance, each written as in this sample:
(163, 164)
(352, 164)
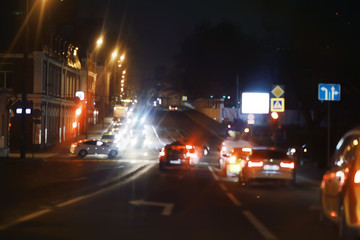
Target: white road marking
(260, 227)
(234, 199)
(213, 173)
(74, 200)
(167, 206)
(24, 218)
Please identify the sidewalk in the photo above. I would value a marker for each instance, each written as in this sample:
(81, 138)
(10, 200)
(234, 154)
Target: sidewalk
(94, 131)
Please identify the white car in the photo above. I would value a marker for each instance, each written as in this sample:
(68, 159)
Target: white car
(93, 146)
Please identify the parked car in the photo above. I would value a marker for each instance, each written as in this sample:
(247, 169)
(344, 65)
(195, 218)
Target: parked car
(109, 137)
(268, 163)
(340, 187)
(86, 147)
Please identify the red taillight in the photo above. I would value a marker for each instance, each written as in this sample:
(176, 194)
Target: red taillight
(162, 153)
(255, 164)
(357, 177)
(290, 165)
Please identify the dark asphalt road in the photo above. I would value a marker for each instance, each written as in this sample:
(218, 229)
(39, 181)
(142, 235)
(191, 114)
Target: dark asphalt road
(130, 198)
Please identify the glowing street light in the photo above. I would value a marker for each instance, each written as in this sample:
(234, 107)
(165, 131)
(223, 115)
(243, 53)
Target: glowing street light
(114, 54)
(99, 42)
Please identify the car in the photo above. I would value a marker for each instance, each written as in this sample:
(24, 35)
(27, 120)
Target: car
(173, 108)
(235, 160)
(177, 154)
(268, 163)
(340, 187)
(86, 147)
(108, 137)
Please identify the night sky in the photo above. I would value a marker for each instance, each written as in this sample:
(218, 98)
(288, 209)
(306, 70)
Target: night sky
(155, 30)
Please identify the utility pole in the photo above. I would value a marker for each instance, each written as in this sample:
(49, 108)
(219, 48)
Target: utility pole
(237, 97)
(24, 83)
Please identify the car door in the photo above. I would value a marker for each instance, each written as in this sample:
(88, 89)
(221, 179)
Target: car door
(334, 179)
(101, 147)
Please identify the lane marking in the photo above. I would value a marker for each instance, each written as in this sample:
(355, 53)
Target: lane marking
(223, 187)
(234, 199)
(260, 227)
(75, 200)
(24, 219)
(213, 173)
(168, 207)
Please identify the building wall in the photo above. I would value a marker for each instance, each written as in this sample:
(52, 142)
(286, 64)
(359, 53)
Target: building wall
(51, 90)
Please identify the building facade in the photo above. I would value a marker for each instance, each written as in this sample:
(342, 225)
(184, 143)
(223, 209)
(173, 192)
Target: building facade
(50, 85)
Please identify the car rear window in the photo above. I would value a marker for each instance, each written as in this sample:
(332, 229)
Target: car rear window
(266, 154)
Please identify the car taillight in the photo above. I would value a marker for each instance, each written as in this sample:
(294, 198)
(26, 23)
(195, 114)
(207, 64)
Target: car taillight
(357, 177)
(255, 164)
(290, 165)
(74, 145)
(162, 153)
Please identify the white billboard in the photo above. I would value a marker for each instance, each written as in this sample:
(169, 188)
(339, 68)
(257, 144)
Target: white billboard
(255, 103)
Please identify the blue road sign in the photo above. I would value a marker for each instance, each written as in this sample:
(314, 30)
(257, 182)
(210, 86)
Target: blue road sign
(329, 92)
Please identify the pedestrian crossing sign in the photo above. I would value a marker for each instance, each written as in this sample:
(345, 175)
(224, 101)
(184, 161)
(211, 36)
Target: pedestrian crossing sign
(277, 104)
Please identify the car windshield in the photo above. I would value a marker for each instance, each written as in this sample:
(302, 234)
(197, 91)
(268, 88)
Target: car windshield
(108, 136)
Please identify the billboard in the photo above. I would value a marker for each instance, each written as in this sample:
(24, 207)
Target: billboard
(255, 103)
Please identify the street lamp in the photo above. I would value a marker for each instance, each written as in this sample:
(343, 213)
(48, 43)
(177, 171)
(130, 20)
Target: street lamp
(99, 42)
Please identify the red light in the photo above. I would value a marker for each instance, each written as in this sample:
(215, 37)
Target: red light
(333, 214)
(255, 164)
(357, 177)
(274, 115)
(162, 153)
(290, 165)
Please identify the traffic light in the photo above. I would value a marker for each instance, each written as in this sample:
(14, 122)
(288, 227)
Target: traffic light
(274, 118)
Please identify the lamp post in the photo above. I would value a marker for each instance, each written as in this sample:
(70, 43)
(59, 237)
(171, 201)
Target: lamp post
(92, 60)
(24, 89)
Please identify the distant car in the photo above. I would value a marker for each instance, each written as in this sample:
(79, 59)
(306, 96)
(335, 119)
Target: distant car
(268, 163)
(178, 155)
(235, 161)
(173, 108)
(86, 147)
(108, 137)
(340, 187)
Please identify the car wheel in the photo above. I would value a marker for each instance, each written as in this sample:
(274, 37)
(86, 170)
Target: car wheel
(113, 153)
(82, 153)
(344, 231)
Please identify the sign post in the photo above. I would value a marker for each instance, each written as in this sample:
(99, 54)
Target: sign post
(329, 92)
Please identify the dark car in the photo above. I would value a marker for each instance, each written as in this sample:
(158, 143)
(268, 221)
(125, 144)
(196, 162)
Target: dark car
(178, 155)
(340, 187)
(268, 163)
